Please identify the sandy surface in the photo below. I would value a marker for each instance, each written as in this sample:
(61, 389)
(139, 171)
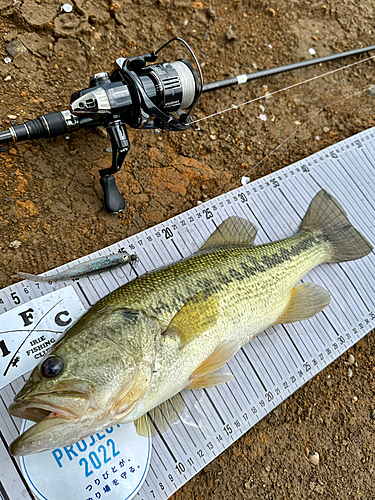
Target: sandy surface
(52, 204)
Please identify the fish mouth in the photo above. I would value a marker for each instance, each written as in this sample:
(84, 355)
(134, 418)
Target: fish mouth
(58, 417)
(61, 420)
(48, 405)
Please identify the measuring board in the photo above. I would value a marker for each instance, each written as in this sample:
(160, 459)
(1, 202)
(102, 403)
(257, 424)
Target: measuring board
(272, 366)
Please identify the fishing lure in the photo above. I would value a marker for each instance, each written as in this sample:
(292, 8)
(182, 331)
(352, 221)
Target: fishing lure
(89, 267)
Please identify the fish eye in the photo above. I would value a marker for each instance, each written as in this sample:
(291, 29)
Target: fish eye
(51, 367)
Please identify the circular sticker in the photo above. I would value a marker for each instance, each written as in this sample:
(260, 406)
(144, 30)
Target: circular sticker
(109, 465)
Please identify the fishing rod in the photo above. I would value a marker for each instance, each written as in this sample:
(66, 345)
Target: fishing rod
(140, 93)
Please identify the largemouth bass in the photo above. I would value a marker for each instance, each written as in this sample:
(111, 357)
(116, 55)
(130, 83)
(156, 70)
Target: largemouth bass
(128, 358)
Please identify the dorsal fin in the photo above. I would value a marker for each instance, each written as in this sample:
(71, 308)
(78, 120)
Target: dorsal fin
(194, 318)
(163, 415)
(233, 231)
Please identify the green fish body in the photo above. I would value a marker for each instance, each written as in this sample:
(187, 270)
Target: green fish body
(174, 329)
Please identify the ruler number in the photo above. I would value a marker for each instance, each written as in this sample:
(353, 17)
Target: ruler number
(269, 396)
(167, 233)
(180, 467)
(228, 430)
(170, 477)
(152, 493)
(3, 348)
(200, 453)
(15, 298)
(208, 213)
(161, 486)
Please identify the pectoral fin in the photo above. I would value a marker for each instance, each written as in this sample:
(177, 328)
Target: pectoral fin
(306, 300)
(215, 378)
(207, 374)
(233, 231)
(159, 418)
(194, 318)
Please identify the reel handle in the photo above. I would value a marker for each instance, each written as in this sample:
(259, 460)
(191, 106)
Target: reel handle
(114, 202)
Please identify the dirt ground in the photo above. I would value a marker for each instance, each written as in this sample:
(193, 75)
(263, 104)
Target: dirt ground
(52, 206)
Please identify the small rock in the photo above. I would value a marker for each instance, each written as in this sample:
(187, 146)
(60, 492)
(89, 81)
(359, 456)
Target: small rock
(255, 66)
(261, 108)
(248, 485)
(15, 244)
(15, 48)
(108, 149)
(272, 11)
(317, 137)
(371, 91)
(7, 60)
(262, 117)
(12, 117)
(319, 489)
(230, 34)
(326, 130)
(312, 51)
(213, 137)
(211, 13)
(313, 457)
(66, 8)
(373, 415)
(351, 359)
(350, 373)
(7, 78)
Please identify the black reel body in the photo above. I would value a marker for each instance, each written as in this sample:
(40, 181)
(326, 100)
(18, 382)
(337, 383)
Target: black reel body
(140, 96)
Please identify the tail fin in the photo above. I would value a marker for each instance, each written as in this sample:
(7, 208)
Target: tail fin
(326, 214)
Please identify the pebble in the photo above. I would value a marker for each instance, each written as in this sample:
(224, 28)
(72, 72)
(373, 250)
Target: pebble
(213, 137)
(312, 51)
(262, 117)
(15, 47)
(230, 34)
(248, 485)
(371, 90)
(15, 244)
(12, 117)
(7, 78)
(255, 66)
(373, 415)
(7, 60)
(261, 108)
(350, 373)
(313, 457)
(66, 8)
(351, 359)
(317, 137)
(326, 130)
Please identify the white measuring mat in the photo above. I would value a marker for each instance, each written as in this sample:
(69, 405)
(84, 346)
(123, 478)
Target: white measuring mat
(273, 365)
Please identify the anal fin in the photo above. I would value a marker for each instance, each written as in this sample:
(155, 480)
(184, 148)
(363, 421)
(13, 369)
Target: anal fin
(306, 300)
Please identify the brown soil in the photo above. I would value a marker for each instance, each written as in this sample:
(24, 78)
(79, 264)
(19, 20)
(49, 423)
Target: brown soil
(52, 201)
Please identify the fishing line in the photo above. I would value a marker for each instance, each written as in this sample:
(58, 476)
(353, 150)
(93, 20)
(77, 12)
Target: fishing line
(351, 96)
(236, 106)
